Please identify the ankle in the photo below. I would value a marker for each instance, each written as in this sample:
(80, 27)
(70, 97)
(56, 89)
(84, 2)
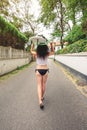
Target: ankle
(40, 101)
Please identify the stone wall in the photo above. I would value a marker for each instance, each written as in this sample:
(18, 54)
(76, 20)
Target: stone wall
(11, 59)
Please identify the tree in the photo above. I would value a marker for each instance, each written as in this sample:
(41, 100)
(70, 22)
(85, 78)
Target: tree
(83, 7)
(53, 12)
(18, 13)
(75, 34)
(27, 18)
(3, 7)
(71, 8)
(77, 12)
(74, 7)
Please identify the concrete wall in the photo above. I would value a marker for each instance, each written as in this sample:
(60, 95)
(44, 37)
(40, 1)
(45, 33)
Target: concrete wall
(11, 59)
(10, 53)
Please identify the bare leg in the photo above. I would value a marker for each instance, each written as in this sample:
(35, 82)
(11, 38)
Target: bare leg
(44, 80)
(39, 86)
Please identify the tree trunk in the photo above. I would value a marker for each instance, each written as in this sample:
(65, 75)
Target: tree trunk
(73, 16)
(61, 23)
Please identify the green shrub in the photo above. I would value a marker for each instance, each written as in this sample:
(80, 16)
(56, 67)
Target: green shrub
(75, 34)
(10, 35)
(76, 47)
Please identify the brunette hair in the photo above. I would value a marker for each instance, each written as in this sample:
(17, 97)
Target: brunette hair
(42, 50)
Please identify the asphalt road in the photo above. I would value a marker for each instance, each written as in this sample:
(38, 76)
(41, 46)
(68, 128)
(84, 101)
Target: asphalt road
(65, 106)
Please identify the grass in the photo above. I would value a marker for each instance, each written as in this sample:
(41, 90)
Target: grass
(80, 85)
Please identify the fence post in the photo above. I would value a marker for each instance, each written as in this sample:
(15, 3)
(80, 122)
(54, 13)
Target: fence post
(10, 52)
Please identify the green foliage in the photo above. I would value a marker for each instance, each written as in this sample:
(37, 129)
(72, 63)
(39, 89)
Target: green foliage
(76, 47)
(71, 8)
(75, 7)
(28, 48)
(84, 27)
(28, 34)
(47, 13)
(75, 34)
(56, 33)
(4, 4)
(10, 35)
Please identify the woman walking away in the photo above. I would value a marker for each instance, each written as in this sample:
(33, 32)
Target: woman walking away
(42, 52)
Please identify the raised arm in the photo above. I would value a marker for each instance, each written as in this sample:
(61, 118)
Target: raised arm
(32, 50)
(52, 49)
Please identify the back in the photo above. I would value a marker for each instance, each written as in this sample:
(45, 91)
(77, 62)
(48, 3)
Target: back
(42, 61)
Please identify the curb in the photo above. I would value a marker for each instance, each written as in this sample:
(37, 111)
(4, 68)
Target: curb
(81, 79)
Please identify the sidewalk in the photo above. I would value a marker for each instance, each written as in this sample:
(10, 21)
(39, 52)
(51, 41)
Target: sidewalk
(76, 62)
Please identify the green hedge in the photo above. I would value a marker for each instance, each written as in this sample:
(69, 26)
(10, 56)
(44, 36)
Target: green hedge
(10, 35)
(79, 46)
(75, 34)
